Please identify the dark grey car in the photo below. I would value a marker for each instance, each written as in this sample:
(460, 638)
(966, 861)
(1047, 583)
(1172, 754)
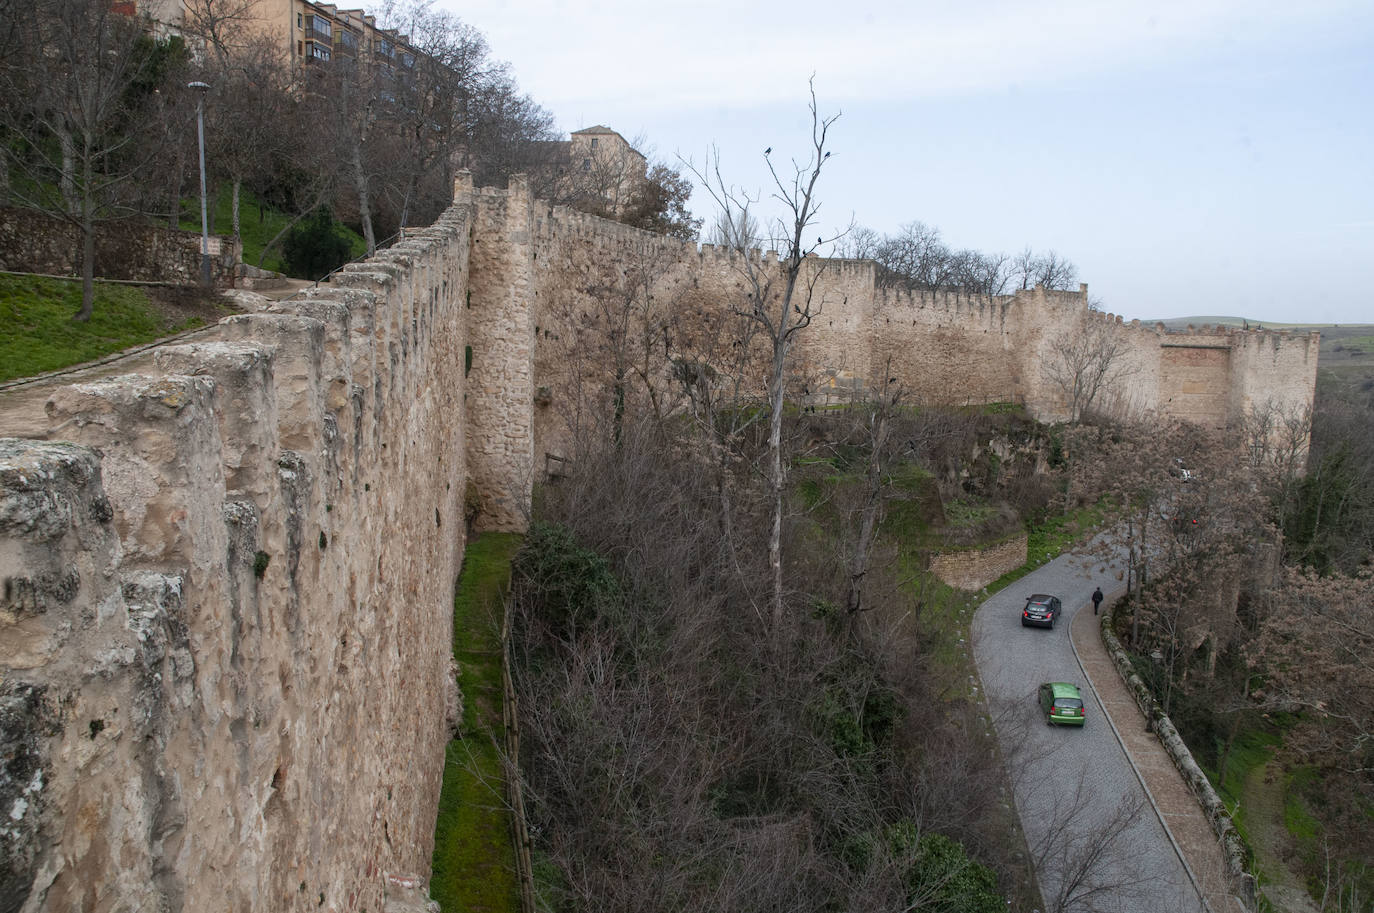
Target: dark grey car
(1041, 610)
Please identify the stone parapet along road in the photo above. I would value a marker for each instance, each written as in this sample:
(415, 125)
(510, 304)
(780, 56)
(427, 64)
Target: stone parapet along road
(1188, 827)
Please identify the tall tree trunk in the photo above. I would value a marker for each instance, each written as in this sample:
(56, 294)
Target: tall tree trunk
(174, 191)
(618, 409)
(871, 510)
(775, 476)
(67, 180)
(364, 206)
(234, 206)
(87, 259)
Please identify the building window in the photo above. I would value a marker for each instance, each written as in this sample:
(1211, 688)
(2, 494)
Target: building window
(586, 164)
(300, 48)
(319, 51)
(300, 23)
(320, 26)
(593, 144)
(348, 39)
(384, 48)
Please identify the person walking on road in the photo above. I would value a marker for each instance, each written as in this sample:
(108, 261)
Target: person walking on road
(1097, 599)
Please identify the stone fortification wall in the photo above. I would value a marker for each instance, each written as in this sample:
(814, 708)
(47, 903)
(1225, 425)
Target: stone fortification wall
(226, 622)
(944, 347)
(1272, 369)
(951, 348)
(613, 301)
(500, 397)
(225, 637)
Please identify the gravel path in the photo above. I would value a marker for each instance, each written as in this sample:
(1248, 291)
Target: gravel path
(1096, 839)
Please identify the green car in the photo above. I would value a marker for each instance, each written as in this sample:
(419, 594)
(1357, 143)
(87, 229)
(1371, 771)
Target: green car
(1062, 703)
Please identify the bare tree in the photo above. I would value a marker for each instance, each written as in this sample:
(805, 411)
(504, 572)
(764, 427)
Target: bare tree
(250, 117)
(625, 328)
(227, 28)
(781, 300)
(1092, 858)
(1049, 270)
(915, 258)
(860, 244)
(82, 97)
(737, 231)
(444, 61)
(876, 418)
(986, 274)
(1084, 365)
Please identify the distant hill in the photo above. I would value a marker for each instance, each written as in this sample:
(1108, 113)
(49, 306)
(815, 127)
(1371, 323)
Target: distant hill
(1181, 323)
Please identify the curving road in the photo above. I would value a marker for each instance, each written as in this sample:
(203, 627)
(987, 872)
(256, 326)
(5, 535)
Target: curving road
(1097, 842)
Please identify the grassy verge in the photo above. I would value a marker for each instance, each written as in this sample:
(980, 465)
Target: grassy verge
(37, 333)
(474, 861)
(1253, 749)
(258, 225)
(1050, 539)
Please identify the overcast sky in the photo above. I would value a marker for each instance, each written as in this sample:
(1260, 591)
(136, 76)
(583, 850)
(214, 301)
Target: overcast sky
(1204, 157)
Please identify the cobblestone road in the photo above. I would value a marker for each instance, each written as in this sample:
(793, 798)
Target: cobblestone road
(1098, 842)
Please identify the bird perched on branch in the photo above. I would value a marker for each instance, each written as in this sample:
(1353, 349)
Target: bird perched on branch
(768, 150)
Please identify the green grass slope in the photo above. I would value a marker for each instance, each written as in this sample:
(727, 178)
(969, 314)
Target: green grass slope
(258, 225)
(474, 858)
(37, 333)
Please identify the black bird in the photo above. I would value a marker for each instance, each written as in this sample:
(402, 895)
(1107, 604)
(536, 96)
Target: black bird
(768, 150)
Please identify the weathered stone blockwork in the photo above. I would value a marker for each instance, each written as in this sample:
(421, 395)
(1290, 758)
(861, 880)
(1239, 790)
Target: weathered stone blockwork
(226, 632)
(32, 242)
(226, 620)
(944, 347)
(975, 568)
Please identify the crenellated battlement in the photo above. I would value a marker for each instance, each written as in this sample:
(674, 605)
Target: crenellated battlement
(228, 569)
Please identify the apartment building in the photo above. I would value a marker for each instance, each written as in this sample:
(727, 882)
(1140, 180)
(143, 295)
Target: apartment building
(304, 31)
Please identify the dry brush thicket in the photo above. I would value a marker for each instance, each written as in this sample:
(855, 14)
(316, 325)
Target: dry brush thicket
(677, 757)
(1249, 573)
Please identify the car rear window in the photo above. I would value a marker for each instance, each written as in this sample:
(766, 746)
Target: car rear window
(1068, 702)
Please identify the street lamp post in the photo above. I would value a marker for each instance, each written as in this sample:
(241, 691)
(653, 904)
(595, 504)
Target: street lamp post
(202, 88)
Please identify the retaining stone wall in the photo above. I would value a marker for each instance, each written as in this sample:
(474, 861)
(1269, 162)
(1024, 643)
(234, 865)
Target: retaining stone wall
(32, 242)
(1242, 882)
(975, 568)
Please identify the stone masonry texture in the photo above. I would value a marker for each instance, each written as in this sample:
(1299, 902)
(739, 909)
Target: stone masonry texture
(225, 632)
